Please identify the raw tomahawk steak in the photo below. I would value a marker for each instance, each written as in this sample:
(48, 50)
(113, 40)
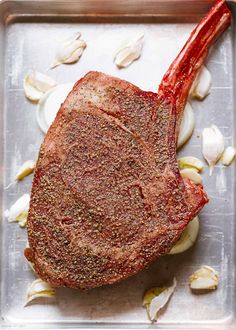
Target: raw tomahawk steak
(107, 196)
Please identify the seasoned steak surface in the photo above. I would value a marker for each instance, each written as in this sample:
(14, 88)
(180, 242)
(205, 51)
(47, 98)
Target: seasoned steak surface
(107, 196)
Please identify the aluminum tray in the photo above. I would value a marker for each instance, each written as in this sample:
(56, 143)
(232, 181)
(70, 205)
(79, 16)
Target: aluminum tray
(29, 31)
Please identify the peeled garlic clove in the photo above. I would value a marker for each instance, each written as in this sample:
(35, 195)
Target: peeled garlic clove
(70, 50)
(187, 126)
(156, 298)
(190, 162)
(19, 210)
(25, 169)
(202, 84)
(31, 92)
(49, 105)
(187, 238)
(36, 84)
(212, 145)
(228, 156)
(192, 175)
(39, 289)
(205, 278)
(129, 52)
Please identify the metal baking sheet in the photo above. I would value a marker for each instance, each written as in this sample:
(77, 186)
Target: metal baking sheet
(29, 33)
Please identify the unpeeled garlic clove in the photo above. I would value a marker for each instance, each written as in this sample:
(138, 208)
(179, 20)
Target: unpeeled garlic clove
(129, 52)
(70, 50)
(228, 156)
(187, 238)
(192, 175)
(36, 84)
(212, 145)
(190, 162)
(26, 169)
(39, 289)
(19, 210)
(202, 84)
(187, 126)
(205, 278)
(156, 298)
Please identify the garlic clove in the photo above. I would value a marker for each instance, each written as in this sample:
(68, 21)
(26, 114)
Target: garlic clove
(39, 289)
(36, 84)
(212, 145)
(202, 84)
(190, 162)
(19, 210)
(192, 175)
(49, 105)
(31, 92)
(129, 52)
(75, 55)
(187, 238)
(205, 278)
(26, 169)
(69, 51)
(187, 126)
(156, 298)
(228, 156)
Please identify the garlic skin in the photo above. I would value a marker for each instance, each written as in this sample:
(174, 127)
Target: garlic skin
(129, 52)
(202, 84)
(156, 298)
(205, 278)
(228, 156)
(212, 145)
(70, 50)
(39, 289)
(26, 169)
(187, 126)
(190, 162)
(192, 175)
(36, 84)
(19, 210)
(187, 238)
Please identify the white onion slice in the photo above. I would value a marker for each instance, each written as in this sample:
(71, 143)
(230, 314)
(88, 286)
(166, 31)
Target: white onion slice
(49, 105)
(187, 238)
(187, 126)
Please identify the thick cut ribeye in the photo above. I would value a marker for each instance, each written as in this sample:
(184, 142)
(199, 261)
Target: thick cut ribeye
(107, 196)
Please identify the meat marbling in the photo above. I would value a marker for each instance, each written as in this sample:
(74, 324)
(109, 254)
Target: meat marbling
(107, 196)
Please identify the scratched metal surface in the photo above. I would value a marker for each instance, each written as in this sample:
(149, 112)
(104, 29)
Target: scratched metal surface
(29, 34)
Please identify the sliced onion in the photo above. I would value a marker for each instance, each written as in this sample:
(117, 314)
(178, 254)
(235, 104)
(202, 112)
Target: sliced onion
(188, 237)
(187, 126)
(50, 103)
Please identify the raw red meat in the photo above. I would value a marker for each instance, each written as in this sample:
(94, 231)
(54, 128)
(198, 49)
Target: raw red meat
(107, 196)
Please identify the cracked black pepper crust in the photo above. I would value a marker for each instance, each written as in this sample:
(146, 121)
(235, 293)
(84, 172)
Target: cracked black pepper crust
(107, 197)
